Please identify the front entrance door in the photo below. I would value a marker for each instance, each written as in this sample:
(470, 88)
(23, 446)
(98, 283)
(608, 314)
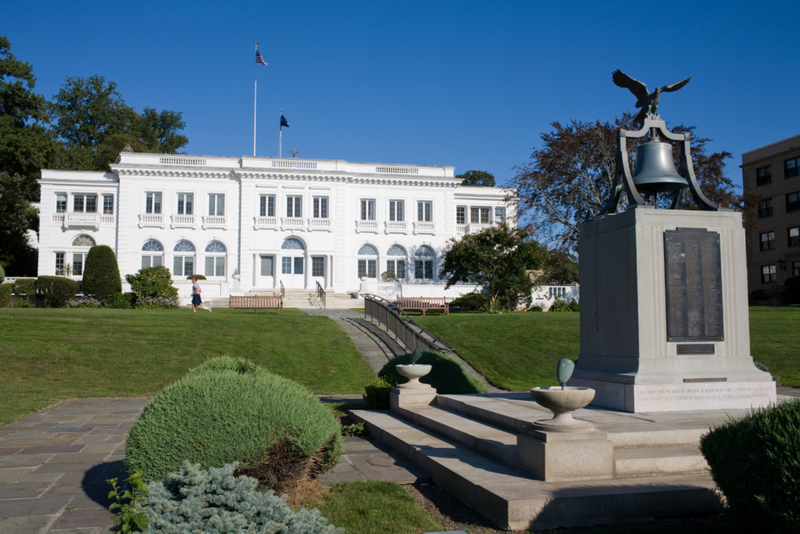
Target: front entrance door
(265, 271)
(293, 272)
(318, 271)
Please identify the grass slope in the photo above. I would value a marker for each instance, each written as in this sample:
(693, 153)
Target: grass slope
(775, 342)
(52, 354)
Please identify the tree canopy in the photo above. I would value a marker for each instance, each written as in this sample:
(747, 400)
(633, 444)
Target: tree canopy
(496, 258)
(567, 181)
(477, 178)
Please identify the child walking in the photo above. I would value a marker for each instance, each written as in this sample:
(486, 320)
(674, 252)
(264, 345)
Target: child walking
(196, 302)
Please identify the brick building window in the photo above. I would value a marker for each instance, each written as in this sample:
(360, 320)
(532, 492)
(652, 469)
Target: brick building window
(764, 175)
(793, 201)
(767, 240)
(791, 167)
(765, 208)
(768, 274)
(794, 236)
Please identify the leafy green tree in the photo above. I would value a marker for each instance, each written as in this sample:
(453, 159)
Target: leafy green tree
(16, 218)
(160, 131)
(477, 178)
(568, 180)
(560, 267)
(496, 258)
(101, 274)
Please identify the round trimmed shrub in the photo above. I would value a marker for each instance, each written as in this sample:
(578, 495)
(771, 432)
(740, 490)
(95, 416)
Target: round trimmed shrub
(229, 410)
(101, 274)
(447, 375)
(56, 291)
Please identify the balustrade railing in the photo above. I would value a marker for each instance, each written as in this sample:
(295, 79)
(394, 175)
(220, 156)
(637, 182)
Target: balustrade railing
(151, 219)
(396, 227)
(421, 227)
(183, 220)
(215, 221)
(320, 224)
(283, 290)
(266, 222)
(294, 222)
(321, 296)
(402, 326)
(366, 226)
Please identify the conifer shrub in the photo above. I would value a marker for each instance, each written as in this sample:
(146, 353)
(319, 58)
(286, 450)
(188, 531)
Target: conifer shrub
(447, 375)
(101, 274)
(755, 461)
(6, 299)
(215, 502)
(230, 410)
(56, 291)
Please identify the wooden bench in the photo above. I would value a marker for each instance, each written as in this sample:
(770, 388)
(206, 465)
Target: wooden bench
(423, 304)
(263, 302)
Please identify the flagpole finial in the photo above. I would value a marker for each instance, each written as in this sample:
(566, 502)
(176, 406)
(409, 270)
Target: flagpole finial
(256, 42)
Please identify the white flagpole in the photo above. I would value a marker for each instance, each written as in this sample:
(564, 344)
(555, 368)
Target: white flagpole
(255, 98)
(280, 138)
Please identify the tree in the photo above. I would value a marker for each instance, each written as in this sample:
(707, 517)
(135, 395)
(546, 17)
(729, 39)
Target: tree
(160, 131)
(567, 181)
(477, 178)
(101, 274)
(496, 258)
(16, 218)
(559, 267)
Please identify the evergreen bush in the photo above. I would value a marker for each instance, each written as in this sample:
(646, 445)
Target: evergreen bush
(472, 301)
(227, 411)
(56, 291)
(6, 299)
(376, 395)
(152, 282)
(447, 375)
(755, 461)
(101, 274)
(122, 301)
(217, 502)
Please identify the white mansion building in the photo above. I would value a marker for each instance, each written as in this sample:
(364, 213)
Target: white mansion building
(255, 223)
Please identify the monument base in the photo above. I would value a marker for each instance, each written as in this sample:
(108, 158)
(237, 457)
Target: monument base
(564, 456)
(691, 396)
(400, 397)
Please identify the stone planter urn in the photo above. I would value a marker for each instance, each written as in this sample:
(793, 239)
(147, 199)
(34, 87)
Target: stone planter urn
(562, 401)
(413, 372)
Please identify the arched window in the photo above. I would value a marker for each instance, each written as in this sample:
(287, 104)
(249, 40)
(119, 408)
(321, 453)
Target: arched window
(367, 261)
(396, 261)
(183, 260)
(293, 244)
(215, 259)
(79, 257)
(423, 263)
(152, 254)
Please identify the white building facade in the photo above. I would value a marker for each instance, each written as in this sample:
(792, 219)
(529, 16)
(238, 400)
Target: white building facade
(251, 224)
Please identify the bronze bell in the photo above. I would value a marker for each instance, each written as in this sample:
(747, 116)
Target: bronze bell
(655, 170)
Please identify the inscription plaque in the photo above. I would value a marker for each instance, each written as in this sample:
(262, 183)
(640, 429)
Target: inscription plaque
(694, 285)
(704, 348)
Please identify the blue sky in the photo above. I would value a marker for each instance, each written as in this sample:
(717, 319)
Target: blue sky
(462, 83)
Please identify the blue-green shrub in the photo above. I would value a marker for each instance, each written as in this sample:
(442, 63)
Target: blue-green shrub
(6, 299)
(447, 375)
(55, 291)
(229, 410)
(217, 502)
(755, 461)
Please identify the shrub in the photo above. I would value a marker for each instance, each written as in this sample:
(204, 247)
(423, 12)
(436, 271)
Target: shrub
(198, 276)
(755, 461)
(101, 274)
(156, 303)
(791, 295)
(122, 301)
(472, 301)
(562, 306)
(84, 302)
(6, 299)
(535, 308)
(230, 410)
(2, 274)
(447, 375)
(376, 395)
(152, 282)
(55, 291)
(216, 501)
(758, 295)
(25, 287)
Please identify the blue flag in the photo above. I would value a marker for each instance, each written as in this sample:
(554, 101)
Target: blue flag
(284, 121)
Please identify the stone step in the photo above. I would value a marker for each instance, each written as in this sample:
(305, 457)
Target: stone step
(659, 460)
(516, 501)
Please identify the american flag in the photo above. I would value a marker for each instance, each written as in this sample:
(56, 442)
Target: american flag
(260, 59)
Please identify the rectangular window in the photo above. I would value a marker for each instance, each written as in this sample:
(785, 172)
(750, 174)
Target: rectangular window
(286, 265)
(317, 266)
(215, 266)
(183, 265)
(60, 261)
(765, 208)
(479, 215)
(425, 211)
(267, 206)
(185, 203)
(423, 269)
(768, 274)
(152, 203)
(108, 204)
(791, 167)
(368, 268)
(764, 175)
(793, 201)
(461, 215)
(398, 267)
(77, 264)
(151, 261)
(320, 207)
(367, 209)
(267, 267)
(767, 240)
(216, 204)
(298, 265)
(294, 206)
(61, 202)
(84, 203)
(397, 210)
(796, 268)
(499, 215)
(794, 236)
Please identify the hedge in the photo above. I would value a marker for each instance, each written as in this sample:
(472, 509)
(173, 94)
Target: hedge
(25, 287)
(101, 274)
(755, 461)
(56, 291)
(6, 299)
(229, 410)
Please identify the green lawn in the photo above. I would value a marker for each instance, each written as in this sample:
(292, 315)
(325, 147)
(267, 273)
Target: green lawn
(51, 354)
(517, 351)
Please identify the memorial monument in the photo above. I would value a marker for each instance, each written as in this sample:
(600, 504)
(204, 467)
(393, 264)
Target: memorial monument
(664, 317)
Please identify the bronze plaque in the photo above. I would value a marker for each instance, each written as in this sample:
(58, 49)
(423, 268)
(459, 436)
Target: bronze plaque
(700, 348)
(694, 285)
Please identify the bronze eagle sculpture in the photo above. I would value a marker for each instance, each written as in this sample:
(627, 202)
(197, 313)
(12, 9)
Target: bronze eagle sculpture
(646, 101)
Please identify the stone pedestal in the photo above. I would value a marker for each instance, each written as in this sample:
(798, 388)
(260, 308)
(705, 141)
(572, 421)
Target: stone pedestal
(400, 396)
(664, 317)
(557, 456)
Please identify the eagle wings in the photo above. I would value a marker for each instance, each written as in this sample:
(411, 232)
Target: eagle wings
(646, 101)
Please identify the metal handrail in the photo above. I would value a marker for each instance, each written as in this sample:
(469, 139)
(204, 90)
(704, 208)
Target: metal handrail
(283, 290)
(321, 296)
(412, 335)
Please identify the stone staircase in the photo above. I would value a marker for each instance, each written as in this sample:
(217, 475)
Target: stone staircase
(468, 444)
(305, 298)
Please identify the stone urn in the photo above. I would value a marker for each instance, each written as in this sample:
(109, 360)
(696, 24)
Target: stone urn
(562, 401)
(413, 372)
